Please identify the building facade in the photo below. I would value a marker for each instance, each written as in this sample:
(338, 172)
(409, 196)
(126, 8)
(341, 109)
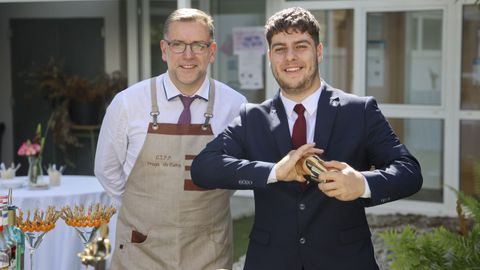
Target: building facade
(419, 58)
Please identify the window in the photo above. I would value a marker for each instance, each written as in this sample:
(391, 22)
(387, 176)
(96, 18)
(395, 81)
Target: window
(428, 151)
(336, 34)
(229, 65)
(404, 68)
(470, 99)
(470, 157)
(470, 102)
(404, 57)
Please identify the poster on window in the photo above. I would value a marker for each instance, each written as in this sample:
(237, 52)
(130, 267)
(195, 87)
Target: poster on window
(249, 45)
(249, 39)
(376, 63)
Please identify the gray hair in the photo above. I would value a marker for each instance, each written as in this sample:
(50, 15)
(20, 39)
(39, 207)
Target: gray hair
(189, 15)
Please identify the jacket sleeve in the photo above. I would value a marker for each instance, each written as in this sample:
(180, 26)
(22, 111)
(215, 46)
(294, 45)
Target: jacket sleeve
(222, 163)
(397, 173)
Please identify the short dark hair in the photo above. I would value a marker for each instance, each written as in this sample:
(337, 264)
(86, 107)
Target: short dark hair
(189, 15)
(292, 19)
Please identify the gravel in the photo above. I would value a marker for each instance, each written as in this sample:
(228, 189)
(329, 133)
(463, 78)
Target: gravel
(380, 223)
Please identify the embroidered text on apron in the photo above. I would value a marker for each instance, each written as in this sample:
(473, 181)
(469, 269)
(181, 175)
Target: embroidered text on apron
(166, 222)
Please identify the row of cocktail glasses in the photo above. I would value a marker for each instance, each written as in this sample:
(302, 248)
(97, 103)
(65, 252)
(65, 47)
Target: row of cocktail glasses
(85, 222)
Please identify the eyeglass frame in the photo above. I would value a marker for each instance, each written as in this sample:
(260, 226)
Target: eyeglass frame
(208, 44)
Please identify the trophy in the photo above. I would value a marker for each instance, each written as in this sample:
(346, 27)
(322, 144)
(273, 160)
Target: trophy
(311, 167)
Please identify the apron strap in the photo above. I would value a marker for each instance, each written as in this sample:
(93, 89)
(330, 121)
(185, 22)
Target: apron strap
(153, 94)
(155, 112)
(211, 100)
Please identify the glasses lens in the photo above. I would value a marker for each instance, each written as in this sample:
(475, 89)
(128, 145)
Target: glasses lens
(177, 47)
(199, 47)
(196, 47)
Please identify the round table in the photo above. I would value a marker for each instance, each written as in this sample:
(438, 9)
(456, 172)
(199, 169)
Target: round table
(60, 246)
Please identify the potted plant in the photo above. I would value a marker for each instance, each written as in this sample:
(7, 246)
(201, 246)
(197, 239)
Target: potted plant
(87, 98)
(74, 100)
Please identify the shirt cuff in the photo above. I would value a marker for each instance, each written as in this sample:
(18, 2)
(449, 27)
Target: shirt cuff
(367, 193)
(272, 177)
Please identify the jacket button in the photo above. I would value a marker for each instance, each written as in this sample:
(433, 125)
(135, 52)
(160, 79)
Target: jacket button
(302, 240)
(301, 206)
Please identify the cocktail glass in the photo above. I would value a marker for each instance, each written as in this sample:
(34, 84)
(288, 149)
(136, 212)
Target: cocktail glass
(37, 227)
(34, 239)
(86, 234)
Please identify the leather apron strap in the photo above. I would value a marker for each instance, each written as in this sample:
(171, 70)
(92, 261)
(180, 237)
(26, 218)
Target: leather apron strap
(155, 112)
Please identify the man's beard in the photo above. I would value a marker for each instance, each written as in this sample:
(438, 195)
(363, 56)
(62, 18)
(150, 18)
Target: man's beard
(300, 87)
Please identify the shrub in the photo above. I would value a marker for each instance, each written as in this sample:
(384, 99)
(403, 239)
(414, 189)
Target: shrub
(440, 248)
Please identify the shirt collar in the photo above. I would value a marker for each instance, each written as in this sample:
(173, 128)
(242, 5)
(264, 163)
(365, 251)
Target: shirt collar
(310, 103)
(171, 91)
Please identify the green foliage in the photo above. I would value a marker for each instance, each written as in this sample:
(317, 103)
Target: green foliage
(439, 249)
(62, 89)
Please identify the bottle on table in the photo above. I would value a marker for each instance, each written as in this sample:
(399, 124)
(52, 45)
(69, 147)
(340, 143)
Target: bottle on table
(16, 235)
(5, 246)
(13, 239)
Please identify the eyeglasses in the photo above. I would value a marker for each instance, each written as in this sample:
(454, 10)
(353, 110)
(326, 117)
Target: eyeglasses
(197, 47)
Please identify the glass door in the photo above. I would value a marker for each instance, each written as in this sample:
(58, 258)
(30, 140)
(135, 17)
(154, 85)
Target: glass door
(404, 69)
(395, 52)
(470, 100)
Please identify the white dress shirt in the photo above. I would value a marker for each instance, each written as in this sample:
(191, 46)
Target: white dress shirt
(310, 103)
(125, 125)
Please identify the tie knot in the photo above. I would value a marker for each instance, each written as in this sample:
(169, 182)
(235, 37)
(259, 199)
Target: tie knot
(299, 109)
(187, 100)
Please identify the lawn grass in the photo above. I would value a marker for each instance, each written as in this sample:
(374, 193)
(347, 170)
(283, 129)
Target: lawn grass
(241, 231)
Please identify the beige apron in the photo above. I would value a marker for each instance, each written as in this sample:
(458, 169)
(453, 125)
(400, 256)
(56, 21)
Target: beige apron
(166, 222)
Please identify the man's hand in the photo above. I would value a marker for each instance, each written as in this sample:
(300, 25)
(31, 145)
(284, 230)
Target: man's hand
(342, 181)
(285, 168)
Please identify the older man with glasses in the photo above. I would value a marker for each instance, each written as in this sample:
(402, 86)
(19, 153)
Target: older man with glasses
(149, 137)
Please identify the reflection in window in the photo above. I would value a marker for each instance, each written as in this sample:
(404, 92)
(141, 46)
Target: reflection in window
(336, 34)
(404, 57)
(470, 157)
(424, 139)
(471, 58)
(230, 15)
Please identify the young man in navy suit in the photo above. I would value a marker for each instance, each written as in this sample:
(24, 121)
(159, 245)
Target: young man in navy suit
(317, 226)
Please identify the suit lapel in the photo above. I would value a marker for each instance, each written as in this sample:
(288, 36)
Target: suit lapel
(328, 105)
(279, 126)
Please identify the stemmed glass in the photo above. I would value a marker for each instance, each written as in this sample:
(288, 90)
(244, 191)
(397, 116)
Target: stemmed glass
(87, 224)
(86, 234)
(34, 239)
(36, 228)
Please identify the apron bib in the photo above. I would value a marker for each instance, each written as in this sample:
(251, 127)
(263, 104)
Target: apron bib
(165, 221)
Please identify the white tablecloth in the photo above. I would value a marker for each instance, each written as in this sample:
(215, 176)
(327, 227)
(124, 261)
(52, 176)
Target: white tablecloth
(60, 246)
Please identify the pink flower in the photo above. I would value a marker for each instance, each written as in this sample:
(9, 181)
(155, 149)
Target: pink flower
(29, 149)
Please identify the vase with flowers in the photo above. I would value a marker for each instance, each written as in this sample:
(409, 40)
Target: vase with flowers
(32, 149)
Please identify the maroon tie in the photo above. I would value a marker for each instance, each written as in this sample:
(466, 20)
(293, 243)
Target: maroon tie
(299, 134)
(185, 116)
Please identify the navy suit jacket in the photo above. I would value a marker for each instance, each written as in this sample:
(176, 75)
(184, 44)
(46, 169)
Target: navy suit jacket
(294, 229)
